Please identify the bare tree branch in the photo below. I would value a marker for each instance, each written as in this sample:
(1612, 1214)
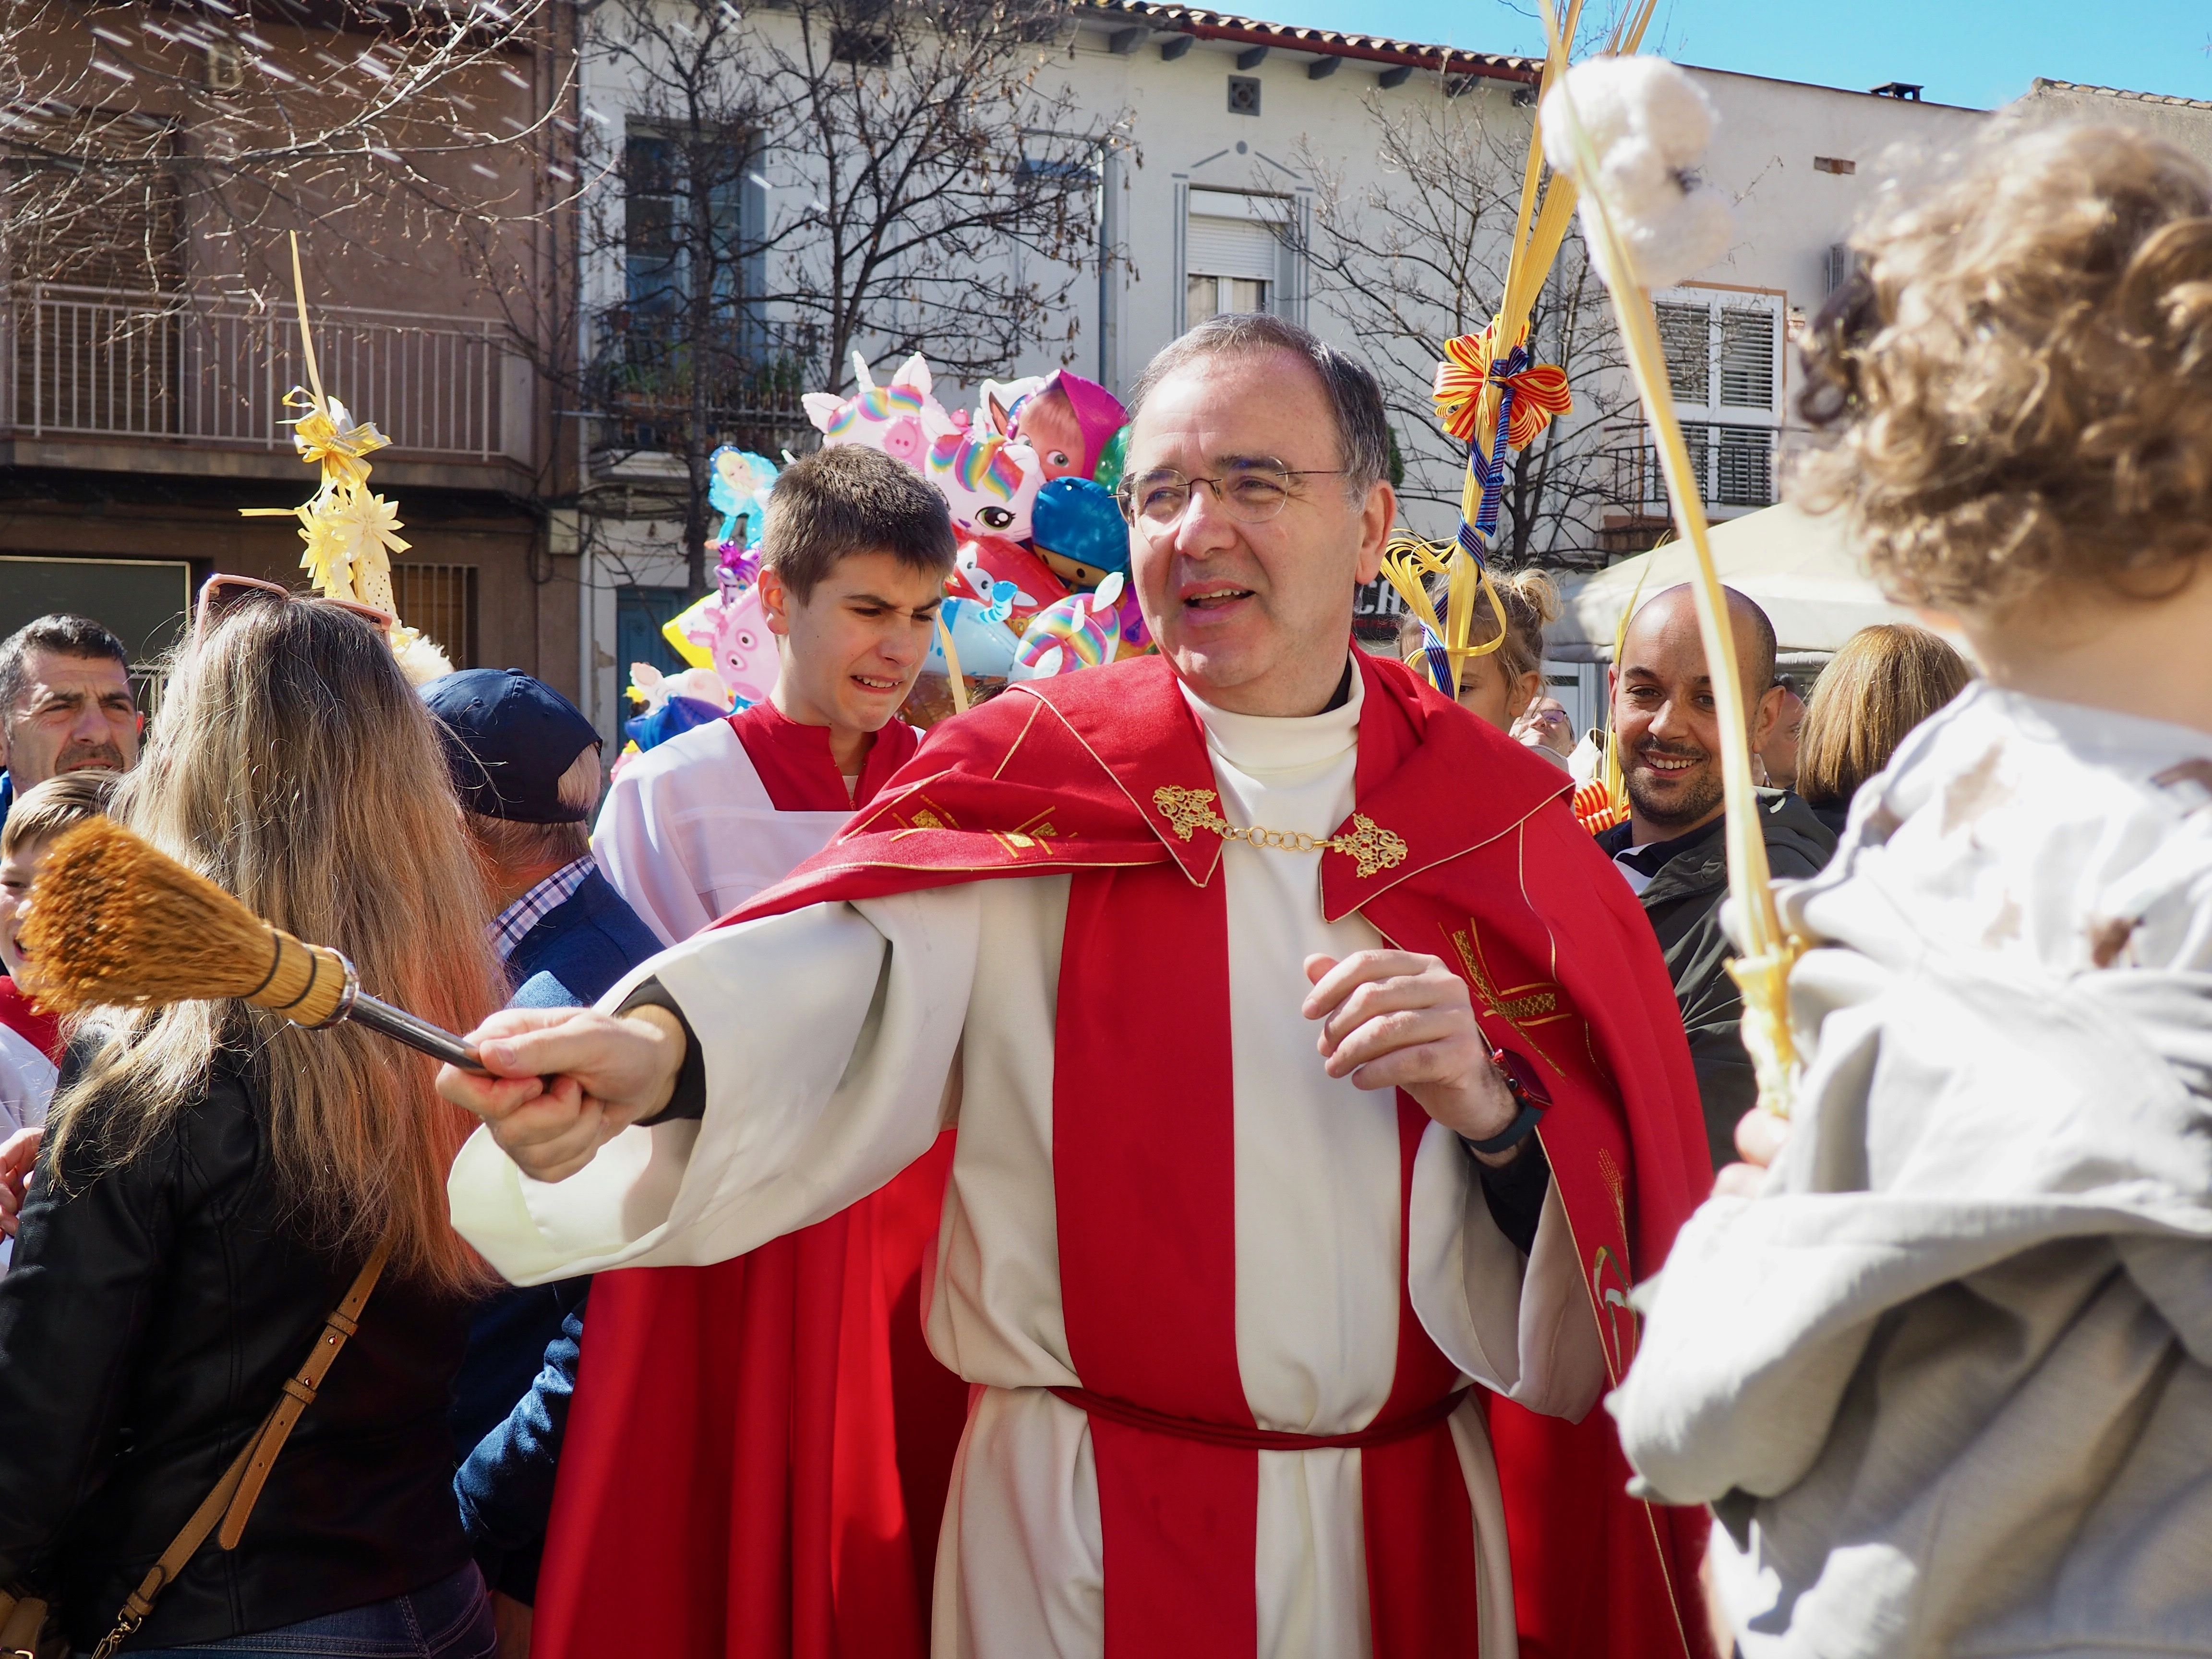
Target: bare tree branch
(796, 182)
(1419, 257)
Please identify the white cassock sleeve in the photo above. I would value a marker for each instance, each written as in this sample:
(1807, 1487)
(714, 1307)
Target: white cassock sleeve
(828, 1037)
(688, 832)
(1524, 1329)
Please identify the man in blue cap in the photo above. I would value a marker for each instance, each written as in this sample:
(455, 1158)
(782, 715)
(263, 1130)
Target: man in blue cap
(525, 764)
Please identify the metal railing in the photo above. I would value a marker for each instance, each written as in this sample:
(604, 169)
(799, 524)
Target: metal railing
(87, 362)
(1735, 466)
(640, 380)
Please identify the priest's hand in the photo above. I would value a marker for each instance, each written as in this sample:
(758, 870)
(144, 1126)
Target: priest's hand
(565, 1081)
(1390, 1019)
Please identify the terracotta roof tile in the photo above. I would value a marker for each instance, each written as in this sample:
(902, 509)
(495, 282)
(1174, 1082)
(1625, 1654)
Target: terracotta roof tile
(1252, 31)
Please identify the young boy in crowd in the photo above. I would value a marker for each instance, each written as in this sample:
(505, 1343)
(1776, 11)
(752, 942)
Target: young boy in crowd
(1943, 1368)
(30, 1040)
(854, 559)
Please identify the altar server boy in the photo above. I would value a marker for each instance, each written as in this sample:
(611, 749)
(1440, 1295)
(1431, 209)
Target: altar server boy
(854, 559)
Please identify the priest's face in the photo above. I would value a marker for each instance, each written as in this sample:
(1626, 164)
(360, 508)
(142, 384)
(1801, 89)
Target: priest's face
(1248, 589)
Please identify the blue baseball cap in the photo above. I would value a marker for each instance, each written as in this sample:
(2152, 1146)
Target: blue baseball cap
(508, 739)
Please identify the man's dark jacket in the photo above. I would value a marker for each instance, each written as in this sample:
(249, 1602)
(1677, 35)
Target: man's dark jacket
(571, 958)
(1684, 903)
(579, 949)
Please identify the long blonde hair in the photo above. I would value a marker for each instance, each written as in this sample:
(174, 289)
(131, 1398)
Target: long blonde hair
(294, 766)
(1884, 681)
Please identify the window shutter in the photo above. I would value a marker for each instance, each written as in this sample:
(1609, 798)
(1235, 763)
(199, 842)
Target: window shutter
(1686, 335)
(1748, 359)
(1231, 247)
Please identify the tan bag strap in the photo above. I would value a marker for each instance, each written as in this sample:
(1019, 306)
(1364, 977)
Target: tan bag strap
(234, 1495)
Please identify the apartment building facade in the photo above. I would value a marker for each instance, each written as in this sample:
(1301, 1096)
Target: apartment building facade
(147, 345)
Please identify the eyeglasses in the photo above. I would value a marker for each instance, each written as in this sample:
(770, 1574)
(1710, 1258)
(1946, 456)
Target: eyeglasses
(1252, 491)
(222, 595)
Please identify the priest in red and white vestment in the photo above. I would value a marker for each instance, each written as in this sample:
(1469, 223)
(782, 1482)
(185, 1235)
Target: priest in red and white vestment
(1282, 1331)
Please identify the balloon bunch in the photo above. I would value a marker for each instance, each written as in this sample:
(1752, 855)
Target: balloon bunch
(1030, 478)
(723, 637)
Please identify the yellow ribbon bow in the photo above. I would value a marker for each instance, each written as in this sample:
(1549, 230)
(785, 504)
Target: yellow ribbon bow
(1539, 392)
(328, 437)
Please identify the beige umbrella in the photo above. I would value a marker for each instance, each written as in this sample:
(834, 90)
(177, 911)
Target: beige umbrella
(1798, 568)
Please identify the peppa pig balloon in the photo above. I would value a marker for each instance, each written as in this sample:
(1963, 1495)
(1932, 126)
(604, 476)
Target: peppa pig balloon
(901, 419)
(727, 632)
(990, 484)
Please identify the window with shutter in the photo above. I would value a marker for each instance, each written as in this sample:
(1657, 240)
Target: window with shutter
(1685, 334)
(1747, 341)
(1239, 255)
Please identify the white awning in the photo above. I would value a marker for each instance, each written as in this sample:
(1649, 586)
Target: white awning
(1797, 568)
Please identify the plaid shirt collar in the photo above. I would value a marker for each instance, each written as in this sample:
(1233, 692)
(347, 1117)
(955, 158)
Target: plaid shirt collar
(525, 912)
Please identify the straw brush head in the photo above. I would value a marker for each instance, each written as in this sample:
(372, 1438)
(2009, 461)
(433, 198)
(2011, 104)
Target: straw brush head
(115, 922)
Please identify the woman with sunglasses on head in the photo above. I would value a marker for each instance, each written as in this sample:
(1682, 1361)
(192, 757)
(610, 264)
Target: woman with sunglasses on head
(215, 1179)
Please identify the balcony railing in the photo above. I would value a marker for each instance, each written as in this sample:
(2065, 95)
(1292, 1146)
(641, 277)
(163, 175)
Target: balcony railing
(93, 362)
(644, 371)
(1735, 466)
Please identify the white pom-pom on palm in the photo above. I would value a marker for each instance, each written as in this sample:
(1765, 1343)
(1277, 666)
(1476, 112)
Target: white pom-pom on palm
(1648, 124)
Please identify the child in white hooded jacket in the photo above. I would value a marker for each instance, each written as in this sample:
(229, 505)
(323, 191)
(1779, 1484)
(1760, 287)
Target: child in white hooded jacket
(1943, 1368)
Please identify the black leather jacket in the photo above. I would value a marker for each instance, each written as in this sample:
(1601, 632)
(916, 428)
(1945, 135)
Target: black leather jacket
(147, 1325)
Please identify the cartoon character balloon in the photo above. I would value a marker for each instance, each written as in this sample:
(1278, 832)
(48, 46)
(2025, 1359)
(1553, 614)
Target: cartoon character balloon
(737, 488)
(983, 561)
(1068, 421)
(977, 621)
(901, 419)
(727, 632)
(1079, 531)
(990, 483)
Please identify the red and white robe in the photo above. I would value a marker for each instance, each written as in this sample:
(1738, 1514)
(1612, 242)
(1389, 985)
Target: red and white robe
(1219, 1309)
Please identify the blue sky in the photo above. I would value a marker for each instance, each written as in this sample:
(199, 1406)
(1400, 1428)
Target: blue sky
(1977, 52)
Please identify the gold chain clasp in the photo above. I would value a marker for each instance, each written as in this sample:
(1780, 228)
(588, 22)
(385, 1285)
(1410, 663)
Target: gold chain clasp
(1368, 846)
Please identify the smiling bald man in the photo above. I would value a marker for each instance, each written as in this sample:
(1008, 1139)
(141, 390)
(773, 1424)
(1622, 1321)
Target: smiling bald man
(1671, 850)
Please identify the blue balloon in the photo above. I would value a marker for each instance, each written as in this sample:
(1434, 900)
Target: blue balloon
(1078, 519)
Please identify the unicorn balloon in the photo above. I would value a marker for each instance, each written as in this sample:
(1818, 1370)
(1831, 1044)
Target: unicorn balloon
(901, 419)
(992, 484)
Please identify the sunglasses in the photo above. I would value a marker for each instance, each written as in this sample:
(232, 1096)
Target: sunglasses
(221, 595)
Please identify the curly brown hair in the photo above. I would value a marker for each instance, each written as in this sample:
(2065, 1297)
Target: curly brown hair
(2018, 377)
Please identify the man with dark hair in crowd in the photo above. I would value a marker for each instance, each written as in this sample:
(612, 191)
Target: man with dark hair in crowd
(1671, 850)
(65, 703)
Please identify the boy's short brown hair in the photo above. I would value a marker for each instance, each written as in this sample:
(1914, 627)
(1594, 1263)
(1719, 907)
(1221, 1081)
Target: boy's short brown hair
(61, 803)
(851, 499)
(2019, 377)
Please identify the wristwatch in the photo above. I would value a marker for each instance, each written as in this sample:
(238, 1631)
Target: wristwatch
(1528, 1092)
